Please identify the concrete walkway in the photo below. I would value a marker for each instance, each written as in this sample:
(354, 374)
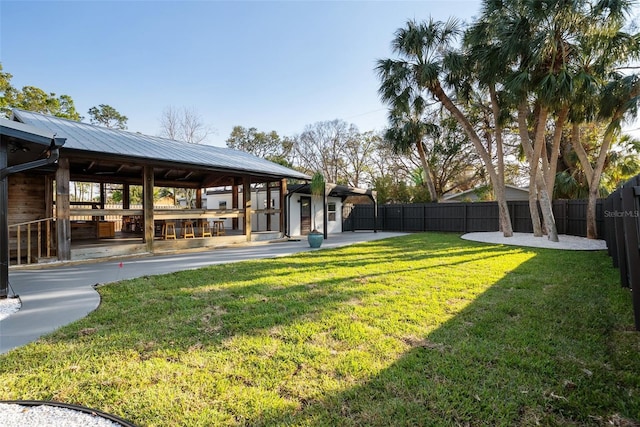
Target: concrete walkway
(58, 295)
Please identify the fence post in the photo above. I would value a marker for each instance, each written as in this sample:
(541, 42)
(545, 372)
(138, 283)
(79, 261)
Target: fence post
(620, 248)
(565, 220)
(424, 215)
(512, 215)
(464, 218)
(630, 222)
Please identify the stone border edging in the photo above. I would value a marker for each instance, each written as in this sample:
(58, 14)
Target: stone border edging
(84, 409)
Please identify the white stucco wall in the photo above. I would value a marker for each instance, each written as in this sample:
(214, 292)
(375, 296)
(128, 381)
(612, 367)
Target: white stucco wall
(294, 212)
(259, 220)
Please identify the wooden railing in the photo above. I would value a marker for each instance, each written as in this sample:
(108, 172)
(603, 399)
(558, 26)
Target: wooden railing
(37, 228)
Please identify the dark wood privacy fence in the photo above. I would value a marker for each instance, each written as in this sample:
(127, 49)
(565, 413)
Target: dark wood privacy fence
(570, 217)
(622, 225)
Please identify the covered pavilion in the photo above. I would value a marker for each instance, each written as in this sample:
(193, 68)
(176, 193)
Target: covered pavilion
(44, 221)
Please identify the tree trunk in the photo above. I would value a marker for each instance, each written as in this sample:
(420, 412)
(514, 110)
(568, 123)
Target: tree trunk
(495, 108)
(545, 200)
(523, 112)
(555, 149)
(594, 185)
(503, 209)
(592, 225)
(427, 173)
(581, 153)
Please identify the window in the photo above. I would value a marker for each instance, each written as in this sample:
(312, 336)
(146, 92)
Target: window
(331, 209)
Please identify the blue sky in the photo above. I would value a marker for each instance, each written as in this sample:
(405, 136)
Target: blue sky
(271, 65)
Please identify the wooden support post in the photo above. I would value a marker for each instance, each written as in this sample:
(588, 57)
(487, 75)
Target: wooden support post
(268, 206)
(4, 225)
(199, 198)
(147, 206)
(48, 196)
(126, 196)
(234, 202)
(103, 197)
(246, 201)
(63, 206)
(283, 195)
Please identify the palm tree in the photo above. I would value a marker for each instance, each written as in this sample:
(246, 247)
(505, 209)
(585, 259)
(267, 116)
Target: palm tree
(428, 63)
(317, 187)
(409, 129)
(525, 46)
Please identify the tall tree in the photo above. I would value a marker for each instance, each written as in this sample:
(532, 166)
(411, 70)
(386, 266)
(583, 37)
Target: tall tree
(32, 98)
(107, 116)
(321, 147)
(183, 124)
(428, 61)
(409, 128)
(357, 159)
(7, 93)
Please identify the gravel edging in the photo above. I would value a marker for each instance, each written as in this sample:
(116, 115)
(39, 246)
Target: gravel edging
(30, 413)
(8, 306)
(566, 242)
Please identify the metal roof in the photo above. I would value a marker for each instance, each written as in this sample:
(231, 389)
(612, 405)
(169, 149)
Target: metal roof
(91, 138)
(24, 132)
(336, 190)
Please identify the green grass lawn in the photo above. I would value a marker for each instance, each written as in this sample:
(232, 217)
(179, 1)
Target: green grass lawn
(425, 329)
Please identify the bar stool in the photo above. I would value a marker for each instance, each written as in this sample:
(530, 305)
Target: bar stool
(218, 228)
(187, 229)
(169, 230)
(206, 229)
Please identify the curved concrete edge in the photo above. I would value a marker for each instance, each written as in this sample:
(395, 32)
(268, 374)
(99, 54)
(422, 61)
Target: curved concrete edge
(44, 312)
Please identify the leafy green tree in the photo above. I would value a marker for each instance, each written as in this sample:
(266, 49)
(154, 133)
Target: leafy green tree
(107, 116)
(554, 63)
(34, 99)
(7, 92)
(409, 128)
(268, 146)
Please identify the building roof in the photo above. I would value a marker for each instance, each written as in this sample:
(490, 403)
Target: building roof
(91, 139)
(25, 143)
(335, 190)
(454, 196)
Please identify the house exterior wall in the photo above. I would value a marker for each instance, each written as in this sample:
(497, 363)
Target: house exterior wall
(333, 226)
(514, 194)
(216, 200)
(511, 194)
(259, 220)
(26, 199)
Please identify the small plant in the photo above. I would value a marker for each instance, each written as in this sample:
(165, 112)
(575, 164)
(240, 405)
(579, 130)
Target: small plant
(317, 187)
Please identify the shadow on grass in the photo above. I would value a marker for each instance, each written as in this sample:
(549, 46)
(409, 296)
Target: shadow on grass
(545, 345)
(232, 299)
(420, 330)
